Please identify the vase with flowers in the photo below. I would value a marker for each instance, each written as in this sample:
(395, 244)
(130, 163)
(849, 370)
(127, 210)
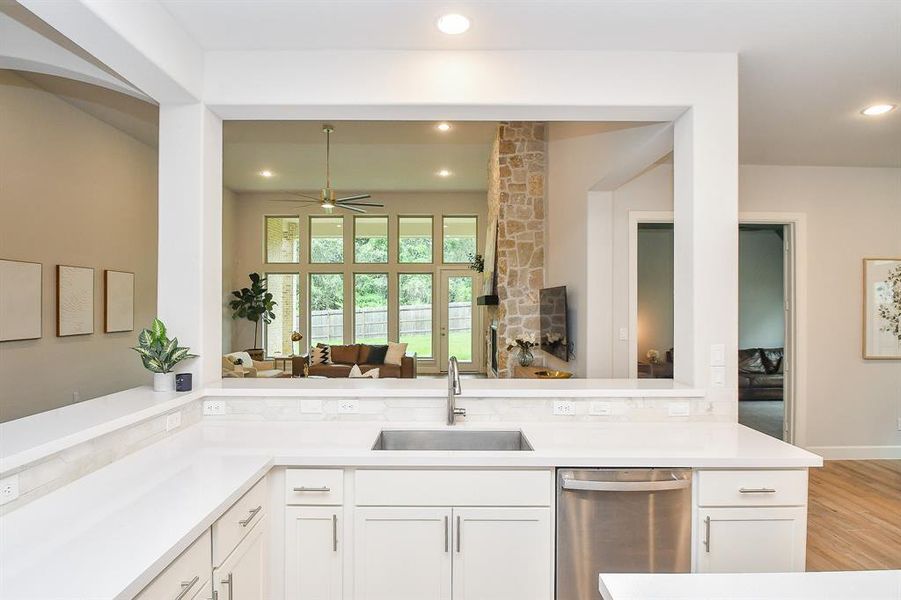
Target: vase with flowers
(524, 343)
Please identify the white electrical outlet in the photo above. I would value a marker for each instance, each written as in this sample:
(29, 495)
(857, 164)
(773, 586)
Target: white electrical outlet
(213, 408)
(564, 407)
(9, 489)
(679, 409)
(311, 407)
(173, 421)
(348, 406)
(601, 409)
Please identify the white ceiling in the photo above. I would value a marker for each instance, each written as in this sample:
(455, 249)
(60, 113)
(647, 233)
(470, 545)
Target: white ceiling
(366, 156)
(806, 66)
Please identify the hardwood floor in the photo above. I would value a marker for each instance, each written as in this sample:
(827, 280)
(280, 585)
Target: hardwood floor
(854, 516)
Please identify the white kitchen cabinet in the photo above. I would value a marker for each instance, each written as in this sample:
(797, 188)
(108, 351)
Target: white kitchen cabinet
(751, 540)
(402, 553)
(313, 552)
(185, 575)
(243, 574)
(502, 553)
(206, 592)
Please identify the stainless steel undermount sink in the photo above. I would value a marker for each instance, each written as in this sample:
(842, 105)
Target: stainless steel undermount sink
(450, 439)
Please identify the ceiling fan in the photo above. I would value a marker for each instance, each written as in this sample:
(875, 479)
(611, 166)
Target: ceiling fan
(327, 198)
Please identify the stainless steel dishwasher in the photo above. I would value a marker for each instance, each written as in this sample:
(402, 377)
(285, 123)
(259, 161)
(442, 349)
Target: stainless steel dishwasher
(620, 521)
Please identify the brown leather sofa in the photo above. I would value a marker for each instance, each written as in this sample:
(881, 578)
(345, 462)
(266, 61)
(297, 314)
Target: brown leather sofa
(761, 374)
(345, 357)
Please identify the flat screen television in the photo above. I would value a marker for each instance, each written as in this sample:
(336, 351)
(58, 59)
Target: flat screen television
(552, 314)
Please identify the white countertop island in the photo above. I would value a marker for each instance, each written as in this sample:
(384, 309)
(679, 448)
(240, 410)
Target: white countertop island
(841, 585)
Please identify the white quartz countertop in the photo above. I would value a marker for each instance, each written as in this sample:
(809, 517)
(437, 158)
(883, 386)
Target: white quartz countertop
(110, 533)
(866, 585)
(472, 388)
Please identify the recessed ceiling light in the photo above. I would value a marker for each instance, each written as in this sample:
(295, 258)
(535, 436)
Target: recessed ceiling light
(453, 24)
(266, 173)
(443, 173)
(878, 109)
(443, 126)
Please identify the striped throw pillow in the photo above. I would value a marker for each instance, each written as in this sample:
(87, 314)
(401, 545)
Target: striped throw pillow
(321, 354)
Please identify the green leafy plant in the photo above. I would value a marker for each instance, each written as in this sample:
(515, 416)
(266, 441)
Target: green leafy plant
(158, 353)
(477, 262)
(254, 304)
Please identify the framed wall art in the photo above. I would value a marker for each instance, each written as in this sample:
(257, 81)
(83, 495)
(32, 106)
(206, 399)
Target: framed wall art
(882, 308)
(118, 301)
(74, 300)
(21, 300)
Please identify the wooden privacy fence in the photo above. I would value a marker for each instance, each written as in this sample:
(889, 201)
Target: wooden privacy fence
(372, 322)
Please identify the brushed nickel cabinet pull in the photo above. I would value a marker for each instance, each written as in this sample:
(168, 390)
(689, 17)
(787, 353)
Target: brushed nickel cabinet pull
(459, 534)
(229, 581)
(446, 540)
(707, 535)
(334, 533)
(323, 488)
(253, 513)
(756, 491)
(186, 587)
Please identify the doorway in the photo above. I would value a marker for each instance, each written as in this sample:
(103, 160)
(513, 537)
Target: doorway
(458, 319)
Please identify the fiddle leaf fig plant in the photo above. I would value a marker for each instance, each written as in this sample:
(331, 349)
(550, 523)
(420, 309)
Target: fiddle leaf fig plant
(254, 304)
(159, 353)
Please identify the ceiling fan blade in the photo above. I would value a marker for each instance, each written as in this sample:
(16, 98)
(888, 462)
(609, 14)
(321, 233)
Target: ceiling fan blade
(352, 198)
(313, 198)
(377, 204)
(350, 207)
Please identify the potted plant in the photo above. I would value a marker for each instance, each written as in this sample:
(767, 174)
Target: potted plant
(160, 355)
(525, 344)
(254, 304)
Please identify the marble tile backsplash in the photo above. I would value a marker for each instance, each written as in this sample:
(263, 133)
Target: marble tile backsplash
(51, 473)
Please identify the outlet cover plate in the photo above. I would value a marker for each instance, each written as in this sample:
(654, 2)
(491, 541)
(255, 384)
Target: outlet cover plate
(348, 406)
(599, 408)
(311, 407)
(679, 409)
(213, 408)
(173, 421)
(566, 408)
(9, 489)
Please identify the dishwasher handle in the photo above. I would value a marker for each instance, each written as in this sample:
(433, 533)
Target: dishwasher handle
(625, 486)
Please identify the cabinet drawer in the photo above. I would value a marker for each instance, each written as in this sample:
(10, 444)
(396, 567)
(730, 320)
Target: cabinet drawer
(314, 486)
(186, 574)
(238, 520)
(752, 488)
(378, 487)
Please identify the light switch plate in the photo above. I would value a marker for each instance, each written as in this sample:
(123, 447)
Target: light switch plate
(9, 489)
(565, 408)
(718, 355)
(718, 376)
(623, 334)
(213, 408)
(679, 409)
(599, 408)
(173, 421)
(311, 406)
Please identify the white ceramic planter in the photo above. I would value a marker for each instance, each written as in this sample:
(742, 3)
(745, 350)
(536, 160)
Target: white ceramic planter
(163, 382)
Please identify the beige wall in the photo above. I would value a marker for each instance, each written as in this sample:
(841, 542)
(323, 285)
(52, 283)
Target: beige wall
(243, 250)
(74, 191)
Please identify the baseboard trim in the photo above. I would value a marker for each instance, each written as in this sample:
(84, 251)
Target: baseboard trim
(857, 452)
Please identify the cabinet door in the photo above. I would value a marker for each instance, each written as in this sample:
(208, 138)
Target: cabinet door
(206, 592)
(402, 554)
(751, 540)
(313, 551)
(502, 554)
(243, 574)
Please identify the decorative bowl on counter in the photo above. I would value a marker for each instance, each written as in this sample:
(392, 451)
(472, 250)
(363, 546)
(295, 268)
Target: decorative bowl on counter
(551, 374)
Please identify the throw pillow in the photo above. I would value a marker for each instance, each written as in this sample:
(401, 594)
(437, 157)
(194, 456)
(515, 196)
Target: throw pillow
(395, 353)
(345, 355)
(377, 355)
(320, 355)
(356, 373)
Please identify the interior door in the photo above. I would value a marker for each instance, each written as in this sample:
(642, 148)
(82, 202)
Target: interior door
(402, 553)
(458, 320)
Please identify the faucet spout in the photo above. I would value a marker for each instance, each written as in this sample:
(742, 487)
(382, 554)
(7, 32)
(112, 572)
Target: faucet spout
(453, 390)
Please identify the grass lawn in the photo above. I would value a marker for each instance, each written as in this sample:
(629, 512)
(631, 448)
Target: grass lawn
(460, 344)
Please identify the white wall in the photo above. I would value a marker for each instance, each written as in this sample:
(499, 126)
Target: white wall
(853, 405)
(229, 262)
(761, 316)
(74, 191)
